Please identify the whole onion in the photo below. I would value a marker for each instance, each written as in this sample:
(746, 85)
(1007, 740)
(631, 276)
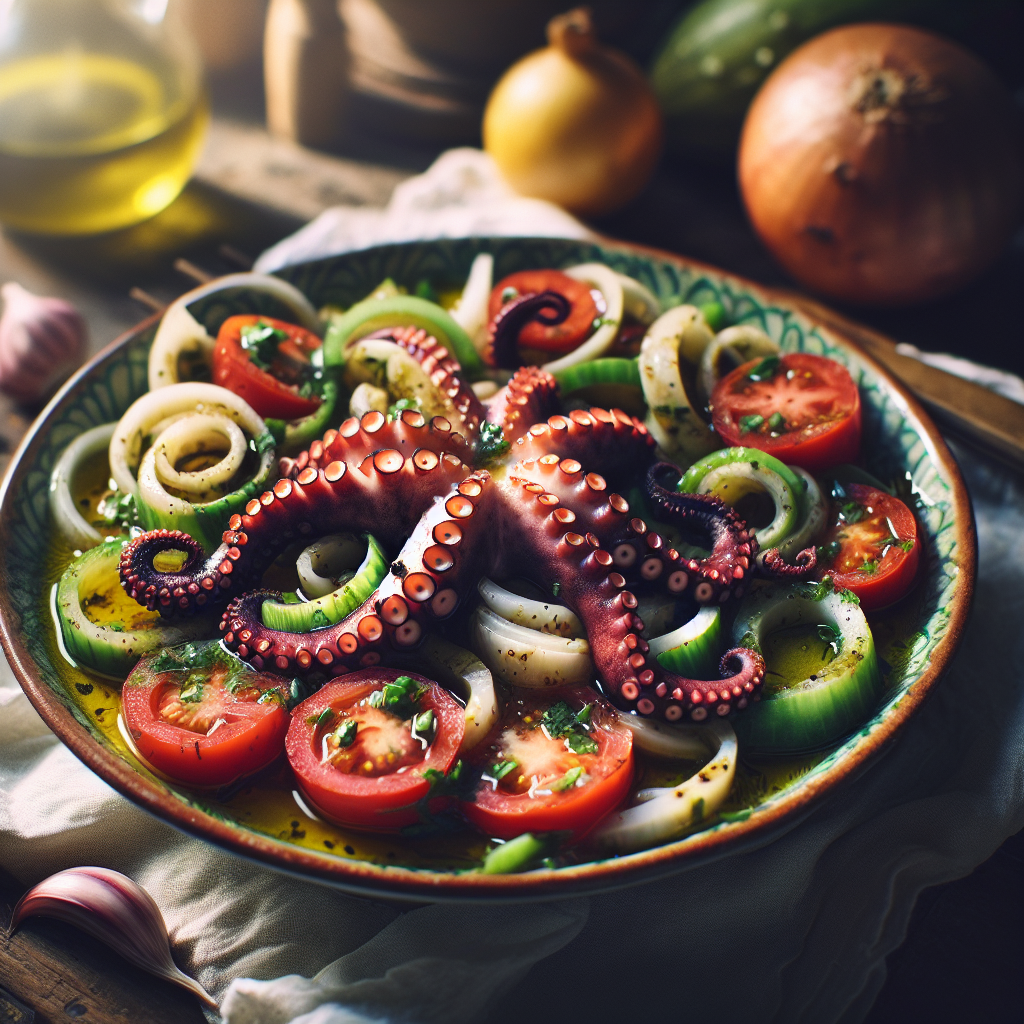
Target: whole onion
(882, 164)
(574, 123)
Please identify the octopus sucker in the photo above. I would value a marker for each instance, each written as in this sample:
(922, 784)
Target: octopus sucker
(552, 504)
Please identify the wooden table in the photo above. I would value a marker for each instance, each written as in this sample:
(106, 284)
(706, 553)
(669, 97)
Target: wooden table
(966, 943)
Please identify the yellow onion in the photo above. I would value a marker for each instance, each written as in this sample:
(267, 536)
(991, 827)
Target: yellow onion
(882, 164)
(575, 123)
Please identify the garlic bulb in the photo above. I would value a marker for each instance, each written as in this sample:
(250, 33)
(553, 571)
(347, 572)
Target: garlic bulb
(115, 910)
(42, 340)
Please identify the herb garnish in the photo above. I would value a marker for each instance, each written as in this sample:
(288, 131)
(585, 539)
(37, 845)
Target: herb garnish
(491, 444)
(560, 721)
(400, 698)
(766, 369)
(750, 423)
(502, 768)
(261, 340)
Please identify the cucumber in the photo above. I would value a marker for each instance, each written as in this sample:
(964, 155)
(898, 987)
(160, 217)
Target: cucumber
(718, 54)
(110, 650)
(693, 649)
(733, 472)
(399, 311)
(599, 371)
(305, 616)
(297, 435)
(833, 700)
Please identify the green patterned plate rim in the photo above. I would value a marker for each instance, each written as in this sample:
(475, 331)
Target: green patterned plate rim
(898, 436)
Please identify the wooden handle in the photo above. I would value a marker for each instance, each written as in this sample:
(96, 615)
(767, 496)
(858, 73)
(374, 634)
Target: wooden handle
(979, 416)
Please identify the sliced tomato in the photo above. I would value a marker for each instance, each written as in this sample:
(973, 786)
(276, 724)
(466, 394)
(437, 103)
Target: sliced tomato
(563, 337)
(872, 548)
(363, 765)
(272, 389)
(537, 777)
(801, 408)
(205, 727)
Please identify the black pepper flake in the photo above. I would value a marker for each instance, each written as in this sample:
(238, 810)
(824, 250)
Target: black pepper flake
(84, 688)
(350, 850)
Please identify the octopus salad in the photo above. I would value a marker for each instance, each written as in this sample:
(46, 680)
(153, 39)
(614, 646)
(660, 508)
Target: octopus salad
(533, 567)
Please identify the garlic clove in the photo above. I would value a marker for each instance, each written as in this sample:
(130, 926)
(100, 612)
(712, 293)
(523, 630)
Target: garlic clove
(42, 340)
(114, 909)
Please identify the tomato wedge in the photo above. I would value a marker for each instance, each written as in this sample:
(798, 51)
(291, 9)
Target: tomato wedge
(206, 726)
(360, 759)
(266, 362)
(563, 337)
(803, 409)
(552, 763)
(872, 547)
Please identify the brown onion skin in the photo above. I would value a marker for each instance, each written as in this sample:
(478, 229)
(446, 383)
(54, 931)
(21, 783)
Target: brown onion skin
(891, 203)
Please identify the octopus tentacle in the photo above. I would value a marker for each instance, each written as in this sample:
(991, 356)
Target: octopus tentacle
(771, 563)
(529, 397)
(609, 438)
(444, 370)
(548, 308)
(733, 544)
(588, 582)
(386, 494)
(357, 438)
(437, 566)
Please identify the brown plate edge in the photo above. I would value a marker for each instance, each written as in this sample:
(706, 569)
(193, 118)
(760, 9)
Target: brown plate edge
(362, 878)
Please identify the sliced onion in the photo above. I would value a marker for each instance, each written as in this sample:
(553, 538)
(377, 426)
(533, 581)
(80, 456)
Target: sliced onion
(192, 435)
(680, 333)
(156, 407)
(638, 301)
(384, 364)
(607, 282)
(470, 312)
(367, 398)
(462, 671)
(321, 565)
(179, 332)
(70, 522)
(660, 739)
(731, 348)
(527, 657)
(662, 814)
(553, 619)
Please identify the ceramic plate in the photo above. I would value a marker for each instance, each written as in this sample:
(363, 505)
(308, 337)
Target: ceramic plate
(915, 644)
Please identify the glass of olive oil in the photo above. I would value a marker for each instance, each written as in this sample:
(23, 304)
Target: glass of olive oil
(102, 113)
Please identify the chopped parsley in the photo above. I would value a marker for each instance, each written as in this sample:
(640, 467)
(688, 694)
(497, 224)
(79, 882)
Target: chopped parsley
(748, 424)
(828, 553)
(345, 734)
(832, 636)
(491, 444)
(777, 423)
(568, 780)
(869, 567)
(766, 369)
(561, 722)
(401, 405)
(261, 340)
(424, 726)
(502, 768)
(400, 698)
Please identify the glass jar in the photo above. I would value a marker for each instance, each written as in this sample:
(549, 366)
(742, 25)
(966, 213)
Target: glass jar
(102, 113)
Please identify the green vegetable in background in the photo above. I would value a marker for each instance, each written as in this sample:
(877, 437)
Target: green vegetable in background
(719, 53)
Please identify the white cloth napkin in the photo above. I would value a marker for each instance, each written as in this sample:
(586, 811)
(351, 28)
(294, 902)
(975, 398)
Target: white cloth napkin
(794, 932)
